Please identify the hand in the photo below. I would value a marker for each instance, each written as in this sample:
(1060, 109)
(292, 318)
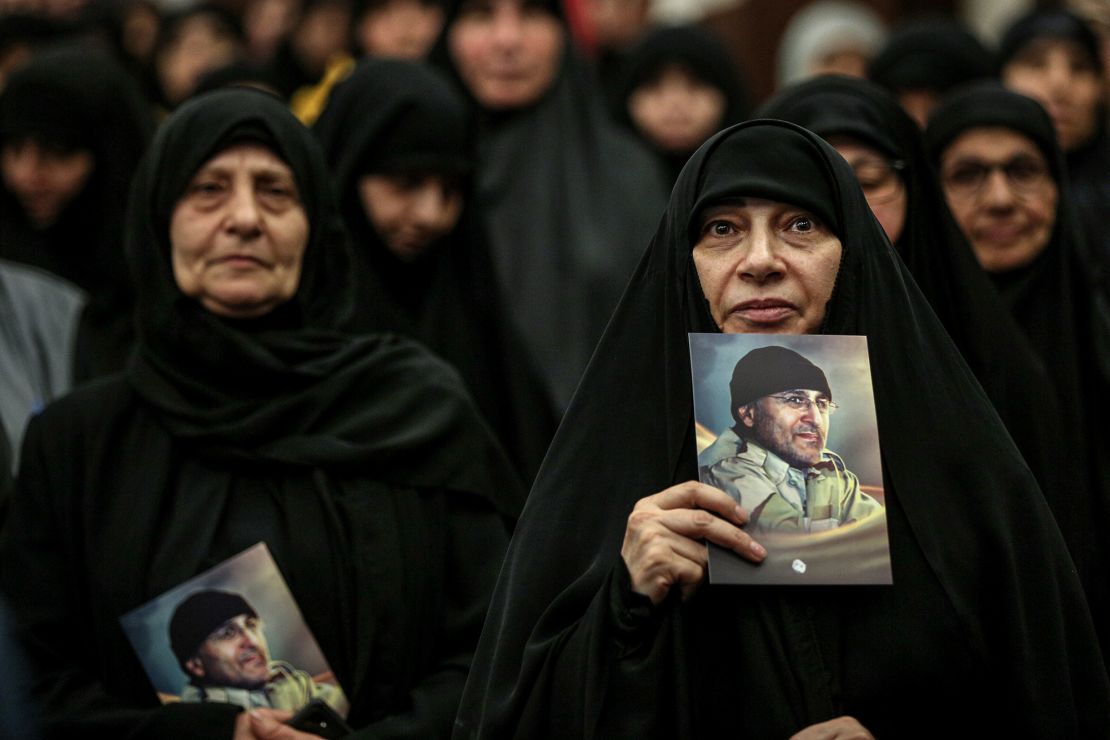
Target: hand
(841, 728)
(663, 543)
(267, 724)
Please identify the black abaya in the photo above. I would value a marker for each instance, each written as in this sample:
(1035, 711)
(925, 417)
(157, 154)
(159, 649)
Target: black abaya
(401, 117)
(984, 631)
(359, 461)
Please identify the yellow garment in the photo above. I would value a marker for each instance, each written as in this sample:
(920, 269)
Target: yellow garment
(308, 102)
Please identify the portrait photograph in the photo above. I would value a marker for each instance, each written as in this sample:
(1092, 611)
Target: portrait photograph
(786, 426)
(234, 635)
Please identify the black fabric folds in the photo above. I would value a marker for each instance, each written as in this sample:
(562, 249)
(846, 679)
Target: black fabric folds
(700, 52)
(569, 200)
(943, 266)
(1066, 318)
(981, 575)
(80, 99)
(395, 116)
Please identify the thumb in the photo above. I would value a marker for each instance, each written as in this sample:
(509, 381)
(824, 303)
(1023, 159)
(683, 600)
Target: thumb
(266, 725)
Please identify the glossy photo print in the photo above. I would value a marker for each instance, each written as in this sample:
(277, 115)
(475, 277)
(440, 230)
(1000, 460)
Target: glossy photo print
(786, 426)
(233, 635)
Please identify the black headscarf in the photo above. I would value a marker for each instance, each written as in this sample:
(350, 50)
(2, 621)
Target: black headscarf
(700, 52)
(1088, 164)
(79, 99)
(396, 116)
(941, 262)
(1066, 319)
(980, 571)
(569, 200)
(289, 388)
(933, 54)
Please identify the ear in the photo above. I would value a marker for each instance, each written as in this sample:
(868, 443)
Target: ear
(194, 667)
(746, 414)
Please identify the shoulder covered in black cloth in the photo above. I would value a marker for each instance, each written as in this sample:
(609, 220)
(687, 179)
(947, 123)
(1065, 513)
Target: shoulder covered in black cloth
(981, 576)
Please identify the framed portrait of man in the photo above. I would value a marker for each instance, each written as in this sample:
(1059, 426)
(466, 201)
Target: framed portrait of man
(786, 426)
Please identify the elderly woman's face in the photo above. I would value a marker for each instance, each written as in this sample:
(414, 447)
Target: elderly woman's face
(766, 267)
(507, 52)
(238, 233)
(1001, 191)
(879, 180)
(1063, 78)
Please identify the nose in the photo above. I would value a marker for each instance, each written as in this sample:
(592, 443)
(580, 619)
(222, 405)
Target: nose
(761, 262)
(428, 204)
(997, 192)
(244, 217)
(507, 27)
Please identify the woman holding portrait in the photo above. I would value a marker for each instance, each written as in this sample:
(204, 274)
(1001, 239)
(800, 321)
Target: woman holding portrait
(612, 633)
(249, 417)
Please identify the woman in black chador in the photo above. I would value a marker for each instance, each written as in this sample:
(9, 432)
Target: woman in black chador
(248, 417)
(401, 146)
(1004, 178)
(568, 197)
(73, 126)
(601, 624)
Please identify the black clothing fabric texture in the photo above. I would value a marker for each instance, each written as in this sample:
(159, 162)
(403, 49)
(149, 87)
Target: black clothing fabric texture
(79, 99)
(358, 460)
(569, 200)
(401, 117)
(944, 267)
(1088, 163)
(702, 54)
(930, 54)
(1066, 319)
(980, 572)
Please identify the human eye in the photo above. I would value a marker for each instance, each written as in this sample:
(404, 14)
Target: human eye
(796, 401)
(870, 175)
(278, 190)
(822, 405)
(206, 187)
(803, 223)
(967, 174)
(1025, 170)
(226, 632)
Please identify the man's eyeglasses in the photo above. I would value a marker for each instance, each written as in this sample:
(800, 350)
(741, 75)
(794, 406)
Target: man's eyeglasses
(880, 180)
(798, 402)
(1023, 173)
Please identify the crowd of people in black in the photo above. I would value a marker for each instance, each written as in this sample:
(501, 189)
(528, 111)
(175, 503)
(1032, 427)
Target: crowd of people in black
(395, 288)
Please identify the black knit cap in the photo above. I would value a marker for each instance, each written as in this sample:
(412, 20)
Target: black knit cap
(769, 370)
(197, 616)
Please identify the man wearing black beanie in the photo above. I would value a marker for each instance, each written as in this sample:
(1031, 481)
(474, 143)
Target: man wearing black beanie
(774, 461)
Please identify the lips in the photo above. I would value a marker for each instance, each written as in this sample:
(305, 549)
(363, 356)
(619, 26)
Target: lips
(765, 310)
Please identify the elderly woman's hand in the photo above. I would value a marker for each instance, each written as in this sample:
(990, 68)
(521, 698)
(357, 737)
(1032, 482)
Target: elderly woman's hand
(664, 541)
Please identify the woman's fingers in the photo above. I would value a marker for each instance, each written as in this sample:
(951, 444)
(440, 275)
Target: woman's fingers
(666, 532)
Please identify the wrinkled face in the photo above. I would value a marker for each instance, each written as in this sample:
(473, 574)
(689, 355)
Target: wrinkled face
(999, 188)
(507, 52)
(235, 655)
(44, 179)
(676, 109)
(238, 233)
(1060, 76)
(400, 29)
(881, 184)
(766, 267)
(797, 435)
(411, 211)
